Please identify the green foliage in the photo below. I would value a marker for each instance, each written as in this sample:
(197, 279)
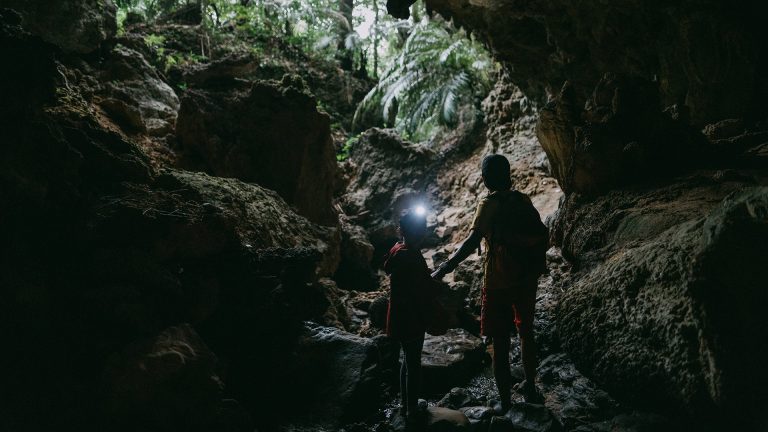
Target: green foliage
(439, 74)
(318, 28)
(343, 154)
(170, 58)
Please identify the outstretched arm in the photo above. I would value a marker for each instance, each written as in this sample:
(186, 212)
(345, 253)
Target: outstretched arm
(466, 249)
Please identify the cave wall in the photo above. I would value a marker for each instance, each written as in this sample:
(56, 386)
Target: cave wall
(708, 56)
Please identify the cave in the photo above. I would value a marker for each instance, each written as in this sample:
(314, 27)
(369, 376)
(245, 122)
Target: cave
(199, 196)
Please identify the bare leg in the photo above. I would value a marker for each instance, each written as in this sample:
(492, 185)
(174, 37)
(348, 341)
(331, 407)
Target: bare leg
(528, 353)
(411, 381)
(501, 370)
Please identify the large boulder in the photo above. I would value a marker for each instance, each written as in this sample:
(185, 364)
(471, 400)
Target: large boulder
(267, 133)
(666, 309)
(450, 360)
(134, 94)
(76, 26)
(355, 272)
(336, 376)
(174, 370)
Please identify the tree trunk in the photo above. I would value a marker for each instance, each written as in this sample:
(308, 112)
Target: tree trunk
(375, 39)
(345, 55)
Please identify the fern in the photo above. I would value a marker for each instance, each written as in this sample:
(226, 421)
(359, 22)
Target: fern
(438, 74)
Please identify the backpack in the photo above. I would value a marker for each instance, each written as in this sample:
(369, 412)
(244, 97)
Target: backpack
(518, 241)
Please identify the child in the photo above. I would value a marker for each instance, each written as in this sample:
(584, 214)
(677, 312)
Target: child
(411, 291)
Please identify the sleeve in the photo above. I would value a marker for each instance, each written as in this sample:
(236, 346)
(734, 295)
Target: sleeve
(484, 217)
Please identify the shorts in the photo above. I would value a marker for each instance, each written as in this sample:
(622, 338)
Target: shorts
(502, 308)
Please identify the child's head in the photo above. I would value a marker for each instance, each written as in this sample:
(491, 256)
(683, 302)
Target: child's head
(413, 227)
(496, 172)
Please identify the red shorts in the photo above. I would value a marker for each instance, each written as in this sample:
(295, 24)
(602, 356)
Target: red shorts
(505, 307)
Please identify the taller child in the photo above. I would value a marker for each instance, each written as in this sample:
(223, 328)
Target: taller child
(516, 242)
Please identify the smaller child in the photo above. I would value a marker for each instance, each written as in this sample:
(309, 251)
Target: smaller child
(411, 291)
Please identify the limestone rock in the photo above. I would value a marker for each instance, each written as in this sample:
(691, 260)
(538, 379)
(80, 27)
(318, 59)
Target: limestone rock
(709, 57)
(355, 270)
(174, 370)
(135, 95)
(337, 375)
(621, 138)
(457, 398)
(449, 360)
(525, 417)
(648, 310)
(72, 25)
(267, 133)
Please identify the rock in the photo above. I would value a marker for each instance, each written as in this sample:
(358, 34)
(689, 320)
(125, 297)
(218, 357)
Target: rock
(203, 215)
(648, 309)
(621, 138)
(337, 376)
(252, 133)
(710, 58)
(446, 420)
(377, 312)
(724, 129)
(355, 271)
(174, 370)
(134, 94)
(478, 413)
(525, 417)
(570, 396)
(457, 398)
(390, 175)
(634, 422)
(450, 360)
(76, 26)
(98, 242)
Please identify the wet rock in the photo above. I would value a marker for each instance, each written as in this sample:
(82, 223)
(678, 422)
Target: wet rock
(251, 132)
(457, 398)
(525, 417)
(77, 26)
(135, 95)
(649, 314)
(174, 370)
(478, 413)
(621, 138)
(633, 422)
(451, 359)
(571, 397)
(337, 375)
